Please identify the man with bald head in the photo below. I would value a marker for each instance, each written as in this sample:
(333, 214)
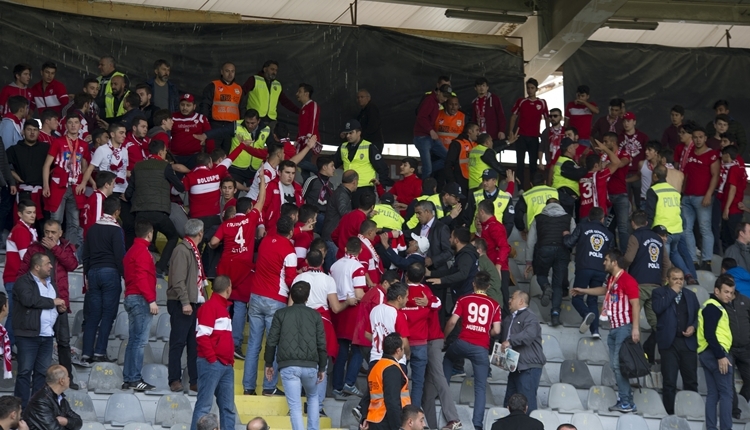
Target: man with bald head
(48, 409)
(105, 99)
(257, 423)
(338, 206)
(369, 118)
(114, 103)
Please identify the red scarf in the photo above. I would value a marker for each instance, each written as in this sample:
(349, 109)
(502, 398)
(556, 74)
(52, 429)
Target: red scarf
(71, 164)
(555, 139)
(480, 113)
(115, 162)
(612, 124)
(202, 281)
(611, 282)
(6, 353)
(686, 154)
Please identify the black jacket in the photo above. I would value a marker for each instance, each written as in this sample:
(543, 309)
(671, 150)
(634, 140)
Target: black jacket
(312, 191)
(440, 246)
(591, 240)
(43, 410)
(28, 305)
(369, 118)
(665, 308)
(460, 276)
(741, 336)
(518, 420)
(338, 206)
(104, 247)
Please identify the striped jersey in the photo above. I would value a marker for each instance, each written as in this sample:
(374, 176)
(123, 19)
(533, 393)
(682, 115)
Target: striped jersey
(621, 289)
(204, 189)
(16, 245)
(593, 189)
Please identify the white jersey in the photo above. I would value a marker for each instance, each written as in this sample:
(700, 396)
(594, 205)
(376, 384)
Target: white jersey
(382, 323)
(348, 274)
(321, 285)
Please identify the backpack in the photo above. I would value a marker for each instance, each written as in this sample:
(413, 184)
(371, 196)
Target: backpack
(633, 363)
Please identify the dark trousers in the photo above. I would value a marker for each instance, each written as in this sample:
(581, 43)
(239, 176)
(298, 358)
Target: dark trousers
(34, 357)
(62, 335)
(6, 209)
(526, 144)
(163, 224)
(728, 229)
(557, 259)
(224, 143)
(742, 364)
(128, 221)
(188, 161)
(716, 222)
(505, 290)
(678, 358)
(525, 382)
(181, 334)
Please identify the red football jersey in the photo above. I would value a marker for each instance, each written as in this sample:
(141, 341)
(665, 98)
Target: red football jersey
(593, 189)
(478, 313)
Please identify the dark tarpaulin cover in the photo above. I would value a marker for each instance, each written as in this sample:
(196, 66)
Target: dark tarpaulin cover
(653, 78)
(337, 61)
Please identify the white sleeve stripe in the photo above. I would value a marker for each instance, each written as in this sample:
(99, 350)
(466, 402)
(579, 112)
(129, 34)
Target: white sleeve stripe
(301, 252)
(290, 260)
(223, 324)
(438, 304)
(22, 252)
(358, 281)
(203, 330)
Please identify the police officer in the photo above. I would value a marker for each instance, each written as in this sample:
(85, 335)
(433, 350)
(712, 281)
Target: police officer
(221, 103)
(565, 176)
(502, 200)
(647, 262)
(591, 240)
(663, 208)
(447, 204)
(385, 216)
(263, 93)
(457, 161)
(482, 158)
(533, 201)
(363, 157)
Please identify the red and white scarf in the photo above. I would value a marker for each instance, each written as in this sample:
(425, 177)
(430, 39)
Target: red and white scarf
(6, 353)
(611, 282)
(202, 282)
(686, 155)
(480, 113)
(107, 219)
(116, 162)
(612, 124)
(366, 242)
(71, 164)
(555, 139)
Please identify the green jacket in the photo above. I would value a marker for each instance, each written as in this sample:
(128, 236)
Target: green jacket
(494, 291)
(297, 338)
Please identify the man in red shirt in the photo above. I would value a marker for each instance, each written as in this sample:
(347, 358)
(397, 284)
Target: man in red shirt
(67, 159)
(580, 113)
(350, 223)
(731, 191)
(188, 122)
(19, 87)
(671, 136)
(408, 188)
(137, 142)
(498, 249)
(528, 113)
(701, 170)
(610, 123)
(369, 258)
(623, 309)
(488, 110)
(139, 273)
(276, 268)
(283, 189)
(593, 186)
(21, 236)
(617, 187)
(49, 93)
(303, 237)
(309, 121)
(549, 150)
(633, 141)
(426, 138)
(479, 316)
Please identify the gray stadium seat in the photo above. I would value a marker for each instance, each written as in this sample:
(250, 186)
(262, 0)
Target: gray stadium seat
(347, 419)
(631, 422)
(9, 385)
(516, 271)
(547, 417)
(601, 398)
(706, 278)
(77, 329)
(153, 326)
(537, 309)
(673, 422)
(138, 426)
(121, 328)
(163, 328)
(649, 403)
(82, 404)
(156, 375)
(700, 292)
(552, 350)
(494, 414)
(608, 376)
(576, 373)
(690, 405)
(466, 393)
(563, 397)
(123, 408)
(593, 351)
(545, 380)
(173, 409)
(743, 406)
(586, 421)
(75, 286)
(534, 289)
(569, 316)
(716, 264)
(161, 292)
(148, 355)
(95, 425)
(702, 387)
(187, 427)
(105, 378)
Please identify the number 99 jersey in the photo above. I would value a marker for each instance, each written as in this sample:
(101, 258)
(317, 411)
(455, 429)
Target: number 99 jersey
(478, 312)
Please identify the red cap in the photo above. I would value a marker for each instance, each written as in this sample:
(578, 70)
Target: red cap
(629, 115)
(188, 98)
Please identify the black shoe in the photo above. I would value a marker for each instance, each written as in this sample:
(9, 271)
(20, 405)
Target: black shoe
(102, 359)
(546, 297)
(238, 353)
(357, 413)
(273, 392)
(74, 386)
(141, 386)
(555, 320)
(248, 393)
(706, 265)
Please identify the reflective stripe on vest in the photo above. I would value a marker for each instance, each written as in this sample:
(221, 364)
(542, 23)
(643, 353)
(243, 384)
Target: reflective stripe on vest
(226, 103)
(465, 146)
(245, 160)
(376, 411)
(501, 202)
(449, 127)
(667, 212)
(435, 199)
(536, 199)
(385, 216)
(264, 100)
(360, 163)
(559, 181)
(109, 99)
(476, 166)
(723, 332)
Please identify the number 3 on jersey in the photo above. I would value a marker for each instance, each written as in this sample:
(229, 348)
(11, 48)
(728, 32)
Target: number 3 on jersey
(478, 314)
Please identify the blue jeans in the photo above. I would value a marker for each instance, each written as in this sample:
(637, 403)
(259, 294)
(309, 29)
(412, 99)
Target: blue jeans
(621, 209)
(616, 337)
(352, 369)
(68, 211)
(480, 362)
(588, 278)
(215, 379)
(34, 357)
(679, 254)
(139, 325)
(100, 309)
(427, 147)
(418, 364)
(525, 382)
(294, 378)
(261, 310)
(8, 326)
(720, 390)
(239, 318)
(692, 209)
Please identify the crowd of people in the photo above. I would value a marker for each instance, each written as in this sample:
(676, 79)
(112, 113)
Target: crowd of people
(410, 275)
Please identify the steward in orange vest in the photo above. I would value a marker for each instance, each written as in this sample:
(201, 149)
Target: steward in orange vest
(388, 387)
(450, 122)
(221, 104)
(457, 161)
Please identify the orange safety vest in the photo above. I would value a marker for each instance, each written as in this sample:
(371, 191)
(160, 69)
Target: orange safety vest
(463, 156)
(449, 127)
(226, 104)
(376, 411)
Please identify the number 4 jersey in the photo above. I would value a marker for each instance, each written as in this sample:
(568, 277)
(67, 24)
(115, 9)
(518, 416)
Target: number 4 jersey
(478, 312)
(238, 236)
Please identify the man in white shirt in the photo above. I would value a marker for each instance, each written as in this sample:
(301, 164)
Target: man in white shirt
(387, 318)
(111, 157)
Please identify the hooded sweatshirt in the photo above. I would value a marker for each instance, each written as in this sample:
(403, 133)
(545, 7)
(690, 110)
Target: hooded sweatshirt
(540, 234)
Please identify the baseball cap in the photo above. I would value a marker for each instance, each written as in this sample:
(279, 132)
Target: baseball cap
(660, 230)
(453, 189)
(387, 198)
(352, 125)
(629, 115)
(422, 242)
(446, 89)
(565, 143)
(489, 174)
(188, 98)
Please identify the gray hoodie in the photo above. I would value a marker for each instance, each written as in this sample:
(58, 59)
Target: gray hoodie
(741, 253)
(553, 210)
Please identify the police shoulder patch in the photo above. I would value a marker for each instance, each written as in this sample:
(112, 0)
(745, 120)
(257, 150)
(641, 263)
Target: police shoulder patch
(378, 156)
